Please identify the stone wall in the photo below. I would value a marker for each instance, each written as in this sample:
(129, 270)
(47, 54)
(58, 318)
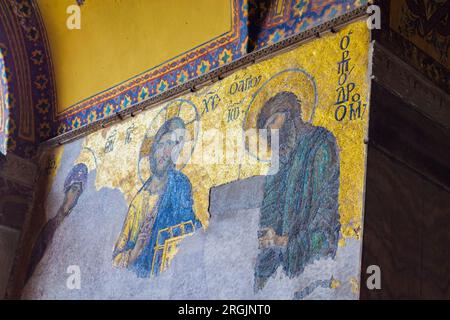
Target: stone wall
(16, 197)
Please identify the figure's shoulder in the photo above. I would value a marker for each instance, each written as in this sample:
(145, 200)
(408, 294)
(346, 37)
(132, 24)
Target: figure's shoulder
(179, 177)
(328, 147)
(325, 135)
(179, 184)
(138, 196)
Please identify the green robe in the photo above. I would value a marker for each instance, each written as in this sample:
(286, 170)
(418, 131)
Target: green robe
(301, 202)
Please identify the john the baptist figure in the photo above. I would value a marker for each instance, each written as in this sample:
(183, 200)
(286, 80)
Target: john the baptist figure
(299, 216)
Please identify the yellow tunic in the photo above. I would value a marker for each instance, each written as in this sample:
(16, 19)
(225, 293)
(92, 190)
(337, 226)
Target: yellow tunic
(142, 207)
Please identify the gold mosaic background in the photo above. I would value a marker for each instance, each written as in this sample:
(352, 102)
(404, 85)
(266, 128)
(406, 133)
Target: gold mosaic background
(296, 70)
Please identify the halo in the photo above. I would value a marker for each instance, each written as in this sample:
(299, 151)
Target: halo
(294, 80)
(88, 157)
(187, 111)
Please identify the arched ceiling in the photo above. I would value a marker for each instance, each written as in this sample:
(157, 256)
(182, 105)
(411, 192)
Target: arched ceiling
(119, 40)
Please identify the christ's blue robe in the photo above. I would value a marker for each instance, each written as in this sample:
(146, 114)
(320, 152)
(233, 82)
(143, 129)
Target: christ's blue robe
(174, 207)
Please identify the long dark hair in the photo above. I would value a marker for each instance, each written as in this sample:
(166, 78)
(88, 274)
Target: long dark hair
(283, 102)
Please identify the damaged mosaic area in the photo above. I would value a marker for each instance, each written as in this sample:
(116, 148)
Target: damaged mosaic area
(218, 224)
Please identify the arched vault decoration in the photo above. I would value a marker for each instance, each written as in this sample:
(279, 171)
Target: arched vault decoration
(4, 105)
(27, 86)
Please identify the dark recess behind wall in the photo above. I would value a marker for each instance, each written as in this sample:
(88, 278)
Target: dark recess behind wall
(407, 206)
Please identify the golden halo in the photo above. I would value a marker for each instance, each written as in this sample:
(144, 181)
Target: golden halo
(88, 157)
(185, 110)
(295, 80)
